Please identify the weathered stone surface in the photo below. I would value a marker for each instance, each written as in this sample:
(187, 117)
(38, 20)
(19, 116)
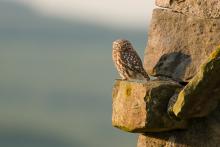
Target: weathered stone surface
(200, 8)
(203, 132)
(178, 44)
(202, 94)
(170, 105)
(142, 106)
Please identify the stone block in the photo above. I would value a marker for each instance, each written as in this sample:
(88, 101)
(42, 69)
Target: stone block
(199, 8)
(202, 132)
(142, 106)
(179, 44)
(202, 95)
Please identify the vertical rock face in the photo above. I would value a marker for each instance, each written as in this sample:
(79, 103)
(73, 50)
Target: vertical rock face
(178, 44)
(203, 132)
(180, 40)
(200, 8)
(142, 106)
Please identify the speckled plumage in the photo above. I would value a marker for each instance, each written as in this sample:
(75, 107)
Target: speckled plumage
(127, 61)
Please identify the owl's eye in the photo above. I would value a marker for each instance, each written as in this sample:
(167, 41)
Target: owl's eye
(116, 46)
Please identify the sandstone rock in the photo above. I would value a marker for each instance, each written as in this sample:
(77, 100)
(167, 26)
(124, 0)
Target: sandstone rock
(202, 132)
(178, 44)
(202, 94)
(200, 8)
(170, 105)
(142, 106)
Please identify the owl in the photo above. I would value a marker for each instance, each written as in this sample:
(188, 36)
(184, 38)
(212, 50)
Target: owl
(127, 61)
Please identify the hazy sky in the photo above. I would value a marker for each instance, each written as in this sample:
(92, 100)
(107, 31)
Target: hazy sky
(111, 13)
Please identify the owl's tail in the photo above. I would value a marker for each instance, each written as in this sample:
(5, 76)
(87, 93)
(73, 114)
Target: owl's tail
(146, 75)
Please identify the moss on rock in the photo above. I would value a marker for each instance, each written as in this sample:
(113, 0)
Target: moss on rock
(202, 94)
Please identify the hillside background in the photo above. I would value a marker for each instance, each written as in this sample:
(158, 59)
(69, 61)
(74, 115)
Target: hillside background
(56, 78)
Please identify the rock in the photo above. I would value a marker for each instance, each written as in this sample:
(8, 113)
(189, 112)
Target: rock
(200, 8)
(202, 94)
(170, 105)
(142, 106)
(202, 132)
(178, 44)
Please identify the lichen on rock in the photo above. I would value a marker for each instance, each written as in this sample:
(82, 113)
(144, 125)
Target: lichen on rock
(141, 106)
(202, 94)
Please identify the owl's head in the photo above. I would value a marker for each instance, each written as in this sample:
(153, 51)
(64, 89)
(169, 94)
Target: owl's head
(122, 45)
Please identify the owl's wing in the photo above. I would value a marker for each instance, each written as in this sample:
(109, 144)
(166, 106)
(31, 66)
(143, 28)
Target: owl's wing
(132, 61)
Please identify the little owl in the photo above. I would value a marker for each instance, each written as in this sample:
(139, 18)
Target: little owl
(127, 61)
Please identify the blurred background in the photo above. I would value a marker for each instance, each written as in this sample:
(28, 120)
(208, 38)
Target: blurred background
(56, 71)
